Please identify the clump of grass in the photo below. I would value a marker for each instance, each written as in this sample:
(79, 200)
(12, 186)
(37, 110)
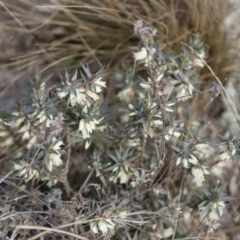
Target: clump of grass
(64, 33)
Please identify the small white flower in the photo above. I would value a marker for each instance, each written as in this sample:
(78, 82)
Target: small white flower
(167, 107)
(87, 144)
(198, 61)
(123, 214)
(140, 55)
(213, 214)
(171, 132)
(168, 232)
(203, 150)
(184, 91)
(145, 85)
(121, 175)
(55, 157)
(32, 140)
(81, 98)
(133, 142)
(93, 227)
(86, 127)
(42, 117)
(105, 225)
(226, 155)
(57, 145)
(193, 159)
(92, 95)
(130, 106)
(198, 173)
(17, 122)
(132, 114)
(8, 142)
(156, 122)
(24, 130)
(99, 85)
(126, 94)
(26, 171)
(185, 161)
(62, 94)
(4, 133)
(143, 56)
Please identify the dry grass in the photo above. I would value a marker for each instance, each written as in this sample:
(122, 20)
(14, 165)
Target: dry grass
(102, 31)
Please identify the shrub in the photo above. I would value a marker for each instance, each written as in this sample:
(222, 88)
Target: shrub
(85, 168)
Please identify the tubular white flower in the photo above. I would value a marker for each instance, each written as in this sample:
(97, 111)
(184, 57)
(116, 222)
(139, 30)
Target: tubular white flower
(133, 142)
(145, 85)
(198, 61)
(93, 227)
(105, 225)
(24, 131)
(54, 159)
(99, 84)
(111, 225)
(167, 107)
(130, 106)
(132, 114)
(184, 91)
(126, 94)
(87, 126)
(225, 156)
(192, 159)
(87, 144)
(213, 214)
(140, 55)
(26, 171)
(123, 177)
(203, 150)
(57, 145)
(198, 173)
(92, 94)
(62, 94)
(123, 214)
(74, 99)
(171, 132)
(185, 163)
(143, 56)
(80, 97)
(17, 122)
(42, 118)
